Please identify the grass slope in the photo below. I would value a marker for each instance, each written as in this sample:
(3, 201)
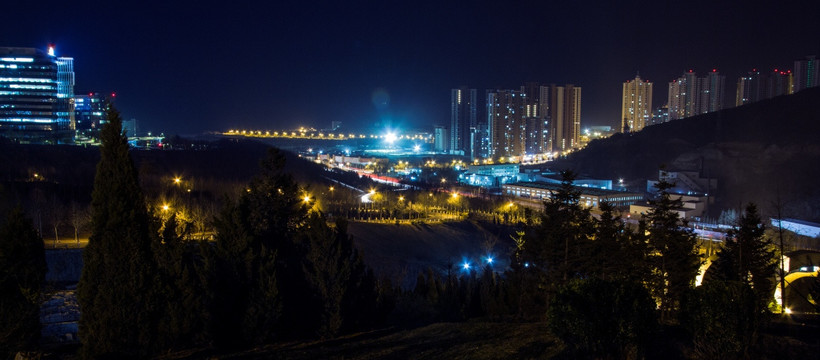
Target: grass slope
(400, 252)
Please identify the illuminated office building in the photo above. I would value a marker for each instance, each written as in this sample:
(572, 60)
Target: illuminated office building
(89, 114)
(36, 95)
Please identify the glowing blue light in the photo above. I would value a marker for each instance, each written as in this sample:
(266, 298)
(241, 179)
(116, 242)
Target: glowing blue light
(390, 137)
(526, 264)
(489, 259)
(466, 266)
(417, 148)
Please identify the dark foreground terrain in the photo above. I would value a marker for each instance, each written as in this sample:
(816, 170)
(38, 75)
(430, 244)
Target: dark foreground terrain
(486, 340)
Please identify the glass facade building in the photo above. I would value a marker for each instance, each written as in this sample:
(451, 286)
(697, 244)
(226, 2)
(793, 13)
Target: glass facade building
(36, 96)
(89, 114)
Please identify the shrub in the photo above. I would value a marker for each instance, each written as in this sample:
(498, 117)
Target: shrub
(599, 318)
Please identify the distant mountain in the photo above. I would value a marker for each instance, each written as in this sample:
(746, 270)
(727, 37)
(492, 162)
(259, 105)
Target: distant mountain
(758, 152)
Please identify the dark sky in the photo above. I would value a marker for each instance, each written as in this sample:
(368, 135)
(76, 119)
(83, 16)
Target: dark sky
(187, 67)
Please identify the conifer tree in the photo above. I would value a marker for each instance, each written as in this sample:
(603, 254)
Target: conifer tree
(748, 256)
(180, 287)
(116, 288)
(259, 261)
(675, 260)
(344, 286)
(618, 253)
(558, 250)
(22, 273)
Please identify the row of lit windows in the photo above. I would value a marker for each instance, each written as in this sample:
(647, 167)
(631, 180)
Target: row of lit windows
(30, 80)
(25, 112)
(32, 120)
(29, 87)
(29, 93)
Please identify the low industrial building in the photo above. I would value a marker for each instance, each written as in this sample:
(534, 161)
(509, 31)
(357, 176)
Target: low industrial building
(491, 175)
(799, 227)
(692, 206)
(538, 191)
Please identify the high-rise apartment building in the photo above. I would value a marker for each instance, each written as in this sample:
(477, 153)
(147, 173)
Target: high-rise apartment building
(711, 88)
(636, 105)
(690, 95)
(505, 114)
(750, 88)
(483, 141)
(463, 116)
(779, 83)
(441, 140)
(532, 121)
(806, 73)
(565, 117)
(660, 115)
(537, 119)
(36, 95)
(756, 86)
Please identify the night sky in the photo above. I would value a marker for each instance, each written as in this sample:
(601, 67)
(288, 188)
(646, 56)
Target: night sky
(189, 67)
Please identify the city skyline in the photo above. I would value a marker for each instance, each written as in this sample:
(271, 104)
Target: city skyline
(187, 69)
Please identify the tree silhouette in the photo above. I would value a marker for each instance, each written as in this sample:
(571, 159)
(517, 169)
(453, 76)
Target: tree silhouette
(748, 256)
(116, 288)
(22, 273)
(674, 260)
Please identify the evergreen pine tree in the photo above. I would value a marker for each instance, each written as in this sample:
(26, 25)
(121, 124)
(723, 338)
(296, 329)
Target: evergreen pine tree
(361, 299)
(618, 253)
(748, 256)
(558, 251)
(22, 273)
(116, 288)
(259, 261)
(675, 260)
(180, 288)
(343, 285)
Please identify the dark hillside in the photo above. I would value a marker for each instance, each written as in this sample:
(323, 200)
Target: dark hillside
(67, 172)
(400, 252)
(755, 151)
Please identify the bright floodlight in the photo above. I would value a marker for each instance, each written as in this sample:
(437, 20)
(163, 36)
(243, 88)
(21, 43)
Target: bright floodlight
(489, 259)
(390, 137)
(417, 148)
(466, 266)
(306, 198)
